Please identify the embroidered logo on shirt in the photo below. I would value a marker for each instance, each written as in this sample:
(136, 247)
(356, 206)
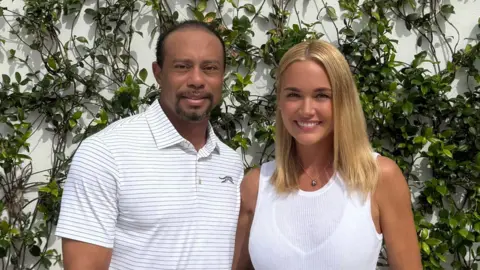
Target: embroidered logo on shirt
(227, 178)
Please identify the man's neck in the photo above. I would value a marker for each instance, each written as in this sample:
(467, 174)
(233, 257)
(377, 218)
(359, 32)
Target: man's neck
(196, 133)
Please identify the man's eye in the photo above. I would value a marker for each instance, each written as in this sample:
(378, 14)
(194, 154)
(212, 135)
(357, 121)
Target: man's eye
(211, 68)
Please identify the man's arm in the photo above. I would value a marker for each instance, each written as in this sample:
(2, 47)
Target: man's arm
(88, 212)
(396, 217)
(248, 191)
(80, 255)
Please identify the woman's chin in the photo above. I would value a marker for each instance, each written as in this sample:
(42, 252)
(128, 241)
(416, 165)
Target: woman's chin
(310, 139)
(307, 140)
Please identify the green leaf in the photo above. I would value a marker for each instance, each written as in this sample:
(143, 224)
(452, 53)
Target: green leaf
(198, 15)
(376, 15)
(35, 250)
(430, 199)
(433, 242)
(77, 115)
(82, 39)
(434, 261)
(332, 13)
(453, 223)
(442, 190)
(143, 74)
(54, 192)
(90, 11)
(102, 59)
(428, 132)
(419, 41)
(233, 3)
(424, 89)
(447, 153)
(239, 77)
(72, 123)
(407, 107)
(476, 227)
(463, 232)
(447, 9)
(202, 5)
(424, 233)
(45, 189)
(18, 77)
(472, 130)
(419, 139)
(77, 138)
(471, 237)
(100, 71)
(129, 80)
(6, 79)
(250, 8)
(426, 248)
(22, 156)
(412, 17)
(52, 63)
(210, 17)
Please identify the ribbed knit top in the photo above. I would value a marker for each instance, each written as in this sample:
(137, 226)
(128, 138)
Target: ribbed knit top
(327, 229)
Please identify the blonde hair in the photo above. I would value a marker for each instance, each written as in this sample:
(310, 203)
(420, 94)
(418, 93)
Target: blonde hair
(353, 156)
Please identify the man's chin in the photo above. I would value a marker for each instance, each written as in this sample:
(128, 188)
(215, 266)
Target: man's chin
(194, 116)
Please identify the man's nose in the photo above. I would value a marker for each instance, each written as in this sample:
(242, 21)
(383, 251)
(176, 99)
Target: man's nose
(196, 78)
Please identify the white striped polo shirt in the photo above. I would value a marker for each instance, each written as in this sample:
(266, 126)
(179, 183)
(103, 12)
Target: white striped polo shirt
(140, 188)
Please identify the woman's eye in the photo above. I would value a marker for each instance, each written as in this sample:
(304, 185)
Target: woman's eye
(323, 96)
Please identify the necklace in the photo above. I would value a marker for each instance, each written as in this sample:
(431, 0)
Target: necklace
(314, 181)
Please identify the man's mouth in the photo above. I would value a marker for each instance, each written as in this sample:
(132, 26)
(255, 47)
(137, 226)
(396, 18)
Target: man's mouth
(195, 101)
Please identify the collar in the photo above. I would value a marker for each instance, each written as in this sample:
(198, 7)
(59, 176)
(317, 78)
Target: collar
(166, 135)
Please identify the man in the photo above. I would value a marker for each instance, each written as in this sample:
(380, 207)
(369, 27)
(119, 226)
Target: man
(158, 190)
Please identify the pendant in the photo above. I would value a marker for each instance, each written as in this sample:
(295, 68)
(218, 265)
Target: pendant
(314, 183)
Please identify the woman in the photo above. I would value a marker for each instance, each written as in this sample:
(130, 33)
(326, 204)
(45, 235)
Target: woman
(327, 201)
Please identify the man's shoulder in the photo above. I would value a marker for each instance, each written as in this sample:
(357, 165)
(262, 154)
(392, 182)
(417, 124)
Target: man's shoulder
(133, 125)
(228, 152)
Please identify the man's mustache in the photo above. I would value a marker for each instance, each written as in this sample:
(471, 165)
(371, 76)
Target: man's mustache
(195, 94)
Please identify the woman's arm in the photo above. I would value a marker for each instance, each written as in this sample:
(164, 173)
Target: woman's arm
(248, 191)
(396, 217)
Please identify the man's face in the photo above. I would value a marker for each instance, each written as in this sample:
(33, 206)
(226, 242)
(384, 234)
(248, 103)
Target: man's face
(192, 74)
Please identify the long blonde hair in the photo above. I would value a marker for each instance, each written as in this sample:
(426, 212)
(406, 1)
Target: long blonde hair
(353, 156)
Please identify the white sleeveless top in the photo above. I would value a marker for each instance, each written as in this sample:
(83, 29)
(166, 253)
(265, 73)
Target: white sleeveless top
(327, 229)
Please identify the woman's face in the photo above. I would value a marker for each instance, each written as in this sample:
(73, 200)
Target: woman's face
(305, 102)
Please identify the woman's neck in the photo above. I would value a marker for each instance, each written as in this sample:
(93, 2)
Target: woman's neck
(316, 157)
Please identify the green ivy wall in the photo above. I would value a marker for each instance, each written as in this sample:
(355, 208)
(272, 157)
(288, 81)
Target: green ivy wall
(71, 67)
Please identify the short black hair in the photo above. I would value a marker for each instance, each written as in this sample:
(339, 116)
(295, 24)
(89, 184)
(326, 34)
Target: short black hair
(160, 49)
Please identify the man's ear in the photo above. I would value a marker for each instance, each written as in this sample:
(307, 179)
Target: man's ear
(157, 71)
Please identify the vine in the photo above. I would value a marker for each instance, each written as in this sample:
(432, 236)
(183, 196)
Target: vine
(76, 85)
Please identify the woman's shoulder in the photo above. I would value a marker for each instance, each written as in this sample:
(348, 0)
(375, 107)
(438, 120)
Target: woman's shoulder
(392, 184)
(252, 181)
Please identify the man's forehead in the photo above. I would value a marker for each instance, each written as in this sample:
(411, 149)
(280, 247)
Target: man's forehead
(181, 36)
(195, 43)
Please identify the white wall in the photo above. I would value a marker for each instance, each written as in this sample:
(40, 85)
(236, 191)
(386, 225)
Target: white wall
(465, 17)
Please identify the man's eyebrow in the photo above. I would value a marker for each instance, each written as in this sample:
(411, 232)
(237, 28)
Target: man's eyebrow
(181, 60)
(211, 62)
(185, 60)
